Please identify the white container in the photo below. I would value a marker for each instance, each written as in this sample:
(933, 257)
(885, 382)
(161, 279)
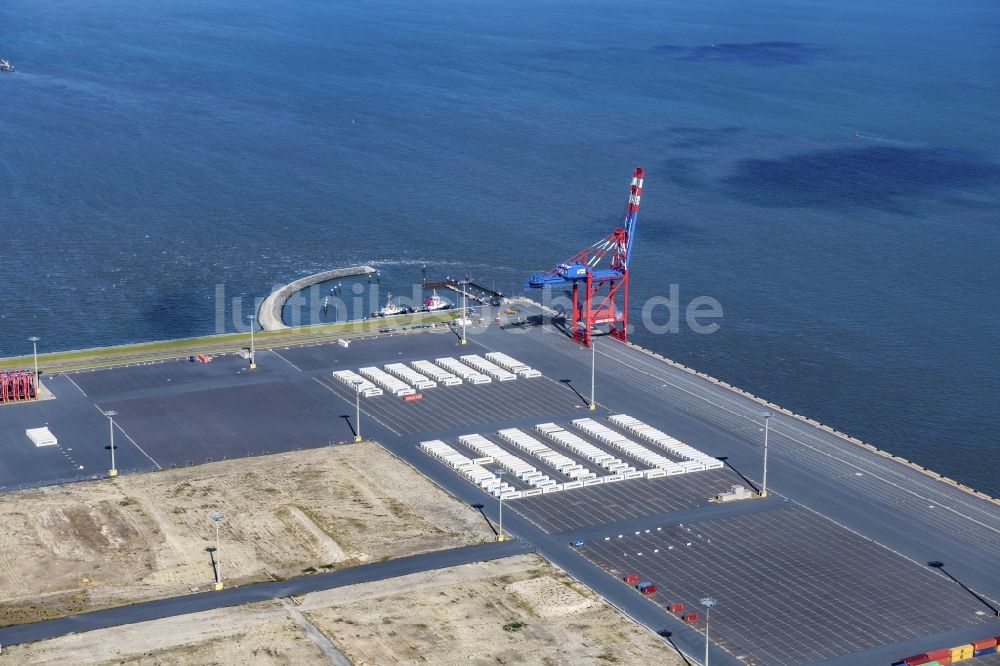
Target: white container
(41, 437)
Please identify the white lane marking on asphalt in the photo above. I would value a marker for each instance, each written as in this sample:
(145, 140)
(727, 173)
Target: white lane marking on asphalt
(129, 437)
(544, 376)
(891, 550)
(275, 352)
(363, 411)
(74, 384)
(776, 430)
(805, 428)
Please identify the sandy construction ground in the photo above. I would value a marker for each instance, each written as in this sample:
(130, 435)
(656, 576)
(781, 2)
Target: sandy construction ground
(76, 547)
(261, 634)
(518, 610)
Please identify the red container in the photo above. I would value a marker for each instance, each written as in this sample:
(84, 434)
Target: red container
(918, 659)
(17, 385)
(675, 607)
(632, 578)
(412, 397)
(940, 654)
(983, 644)
(647, 589)
(690, 617)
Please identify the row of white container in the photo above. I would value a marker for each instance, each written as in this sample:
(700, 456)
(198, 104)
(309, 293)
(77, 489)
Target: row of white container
(410, 376)
(512, 364)
(508, 461)
(456, 367)
(487, 368)
(570, 485)
(558, 461)
(438, 374)
(616, 440)
(398, 377)
(470, 468)
(387, 381)
(582, 447)
(665, 441)
(473, 470)
(358, 383)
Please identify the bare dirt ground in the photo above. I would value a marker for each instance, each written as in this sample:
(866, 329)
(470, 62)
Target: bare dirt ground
(260, 633)
(65, 549)
(518, 610)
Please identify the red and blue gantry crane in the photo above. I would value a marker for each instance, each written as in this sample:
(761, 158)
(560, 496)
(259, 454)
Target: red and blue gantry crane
(596, 289)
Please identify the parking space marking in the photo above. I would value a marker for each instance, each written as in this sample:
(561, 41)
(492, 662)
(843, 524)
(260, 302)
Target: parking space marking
(789, 439)
(824, 592)
(74, 384)
(119, 427)
(776, 431)
(349, 400)
(610, 503)
(468, 406)
(275, 352)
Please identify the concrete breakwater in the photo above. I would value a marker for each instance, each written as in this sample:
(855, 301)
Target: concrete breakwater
(269, 315)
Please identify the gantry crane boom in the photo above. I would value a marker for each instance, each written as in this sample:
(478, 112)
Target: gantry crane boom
(595, 289)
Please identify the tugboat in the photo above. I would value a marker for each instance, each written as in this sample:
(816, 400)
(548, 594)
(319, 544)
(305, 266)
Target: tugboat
(390, 309)
(435, 302)
(5, 66)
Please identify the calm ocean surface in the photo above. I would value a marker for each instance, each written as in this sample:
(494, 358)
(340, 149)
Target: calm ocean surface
(151, 150)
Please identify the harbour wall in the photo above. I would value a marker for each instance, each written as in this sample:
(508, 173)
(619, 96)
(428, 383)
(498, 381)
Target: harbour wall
(816, 424)
(269, 315)
(804, 419)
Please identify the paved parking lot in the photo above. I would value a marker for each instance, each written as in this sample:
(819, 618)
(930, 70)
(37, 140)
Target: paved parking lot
(175, 375)
(635, 498)
(83, 434)
(375, 351)
(466, 408)
(792, 587)
(214, 424)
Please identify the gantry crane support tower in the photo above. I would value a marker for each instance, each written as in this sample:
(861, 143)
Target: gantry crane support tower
(595, 289)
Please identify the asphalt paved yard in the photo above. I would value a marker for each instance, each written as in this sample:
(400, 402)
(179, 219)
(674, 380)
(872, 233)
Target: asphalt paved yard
(377, 350)
(635, 498)
(466, 408)
(193, 426)
(792, 587)
(156, 377)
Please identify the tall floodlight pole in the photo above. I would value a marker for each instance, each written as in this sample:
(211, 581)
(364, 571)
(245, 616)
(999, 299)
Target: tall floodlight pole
(593, 372)
(465, 314)
(357, 413)
(253, 352)
(767, 428)
(500, 497)
(217, 518)
(111, 414)
(34, 350)
(707, 602)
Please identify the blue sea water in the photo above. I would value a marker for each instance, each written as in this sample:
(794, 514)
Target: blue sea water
(828, 171)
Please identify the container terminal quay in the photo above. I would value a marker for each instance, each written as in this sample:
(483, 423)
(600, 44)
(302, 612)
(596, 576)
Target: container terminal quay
(830, 567)
(640, 478)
